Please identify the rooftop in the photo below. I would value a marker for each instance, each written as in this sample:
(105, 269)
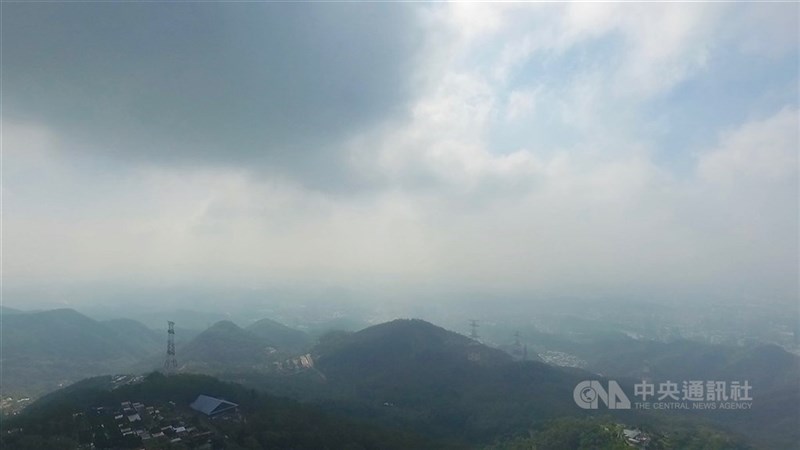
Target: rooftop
(211, 406)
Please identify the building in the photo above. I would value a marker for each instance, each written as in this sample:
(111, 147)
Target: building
(635, 438)
(211, 406)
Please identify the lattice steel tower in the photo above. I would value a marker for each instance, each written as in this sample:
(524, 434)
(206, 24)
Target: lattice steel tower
(516, 349)
(473, 325)
(170, 363)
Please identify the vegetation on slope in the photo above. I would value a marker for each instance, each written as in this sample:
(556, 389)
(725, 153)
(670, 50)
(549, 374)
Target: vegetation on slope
(270, 422)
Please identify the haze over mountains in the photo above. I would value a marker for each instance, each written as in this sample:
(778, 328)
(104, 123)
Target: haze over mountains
(42, 350)
(282, 337)
(225, 347)
(419, 224)
(561, 152)
(408, 374)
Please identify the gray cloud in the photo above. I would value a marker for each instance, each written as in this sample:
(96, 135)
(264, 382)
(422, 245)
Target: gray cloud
(585, 185)
(277, 86)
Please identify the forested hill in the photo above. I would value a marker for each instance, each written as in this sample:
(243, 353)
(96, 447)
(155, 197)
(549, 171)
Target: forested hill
(44, 349)
(70, 417)
(83, 415)
(224, 344)
(404, 341)
(416, 375)
(280, 336)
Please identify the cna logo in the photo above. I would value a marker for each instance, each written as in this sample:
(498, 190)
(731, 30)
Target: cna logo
(588, 392)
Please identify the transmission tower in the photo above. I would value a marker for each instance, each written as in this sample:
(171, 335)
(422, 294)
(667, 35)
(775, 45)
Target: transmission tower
(170, 363)
(473, 325)
(516, 349)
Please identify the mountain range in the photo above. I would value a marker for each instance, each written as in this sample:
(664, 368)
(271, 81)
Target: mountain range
(43, 350)
(407, 374)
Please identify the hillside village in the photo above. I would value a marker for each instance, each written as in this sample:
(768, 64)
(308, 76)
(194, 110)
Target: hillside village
(135, 424)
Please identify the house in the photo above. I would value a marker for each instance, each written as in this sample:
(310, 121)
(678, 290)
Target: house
(211, 406)
(635, 438)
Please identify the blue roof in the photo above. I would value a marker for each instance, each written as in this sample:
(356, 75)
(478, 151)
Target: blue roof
(210, 405)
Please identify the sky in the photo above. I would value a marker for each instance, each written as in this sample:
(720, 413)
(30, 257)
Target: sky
(584, 150)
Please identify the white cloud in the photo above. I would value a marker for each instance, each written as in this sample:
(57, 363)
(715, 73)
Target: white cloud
(761, 151)
(29, 139)
(449, 206)
(521, 102)
(771, 28)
